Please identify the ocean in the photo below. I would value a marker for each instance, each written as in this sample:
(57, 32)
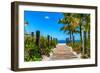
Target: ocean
(61, 41)
(64, 41)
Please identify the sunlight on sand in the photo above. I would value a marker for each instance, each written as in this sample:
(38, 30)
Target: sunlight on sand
(61, 52)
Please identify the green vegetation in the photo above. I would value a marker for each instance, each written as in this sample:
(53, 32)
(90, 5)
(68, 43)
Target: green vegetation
(37, 45)
(74, 23)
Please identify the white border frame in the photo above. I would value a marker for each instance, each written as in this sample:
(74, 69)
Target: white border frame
(23, 64)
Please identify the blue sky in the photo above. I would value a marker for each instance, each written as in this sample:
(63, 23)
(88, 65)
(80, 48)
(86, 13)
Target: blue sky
(46, 23)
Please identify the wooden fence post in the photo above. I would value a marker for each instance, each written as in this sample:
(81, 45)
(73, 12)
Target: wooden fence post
(32, 35)
(48, 40)
(56, 40)
(37, 38)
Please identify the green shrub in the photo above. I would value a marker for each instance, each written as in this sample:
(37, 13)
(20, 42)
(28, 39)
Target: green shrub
(36, 47)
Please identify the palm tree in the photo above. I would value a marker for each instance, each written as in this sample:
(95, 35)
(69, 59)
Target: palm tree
(66, 27)
(86, 27)
(70, 23)
(80, 17)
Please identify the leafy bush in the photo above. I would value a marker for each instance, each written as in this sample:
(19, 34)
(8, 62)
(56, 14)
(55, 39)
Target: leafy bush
(34, 52)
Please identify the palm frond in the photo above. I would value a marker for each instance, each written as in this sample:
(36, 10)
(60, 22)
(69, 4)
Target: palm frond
(63, 28)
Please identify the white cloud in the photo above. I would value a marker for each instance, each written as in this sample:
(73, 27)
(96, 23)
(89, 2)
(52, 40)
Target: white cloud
(47, 17)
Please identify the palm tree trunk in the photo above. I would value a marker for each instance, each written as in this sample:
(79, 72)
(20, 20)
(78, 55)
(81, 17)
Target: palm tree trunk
(81, 37)
(73, 38)
(85, 42)
(82, 42)
(70, 36)
(88, 35)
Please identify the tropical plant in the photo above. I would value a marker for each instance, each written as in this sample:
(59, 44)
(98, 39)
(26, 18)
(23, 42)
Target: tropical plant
(70, 23)
(37, 45)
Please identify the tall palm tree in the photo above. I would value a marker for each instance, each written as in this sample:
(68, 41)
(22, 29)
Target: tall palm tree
(66, 27)
(70, 24)
(84, 26)
(80, 17)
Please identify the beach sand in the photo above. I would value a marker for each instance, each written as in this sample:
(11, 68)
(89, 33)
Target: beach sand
(61, 52)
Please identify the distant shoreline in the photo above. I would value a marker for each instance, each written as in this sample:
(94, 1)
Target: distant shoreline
(61, 44)
(64, 42)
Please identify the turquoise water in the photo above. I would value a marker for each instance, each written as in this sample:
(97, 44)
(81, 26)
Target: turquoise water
(63, 41)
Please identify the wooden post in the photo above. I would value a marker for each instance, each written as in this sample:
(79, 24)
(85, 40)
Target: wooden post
(56, 41)
(32, 35)
(51, 41)
(48, 40)
(38, 42)
(66, 40)
(37, 38)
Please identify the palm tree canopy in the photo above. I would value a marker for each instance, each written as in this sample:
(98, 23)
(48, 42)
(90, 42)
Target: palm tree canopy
(70, 22)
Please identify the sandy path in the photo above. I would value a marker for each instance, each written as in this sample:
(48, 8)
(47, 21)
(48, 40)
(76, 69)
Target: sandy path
(61, 52)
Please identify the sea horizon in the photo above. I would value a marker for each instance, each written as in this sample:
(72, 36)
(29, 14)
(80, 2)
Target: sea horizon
(64, 41)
